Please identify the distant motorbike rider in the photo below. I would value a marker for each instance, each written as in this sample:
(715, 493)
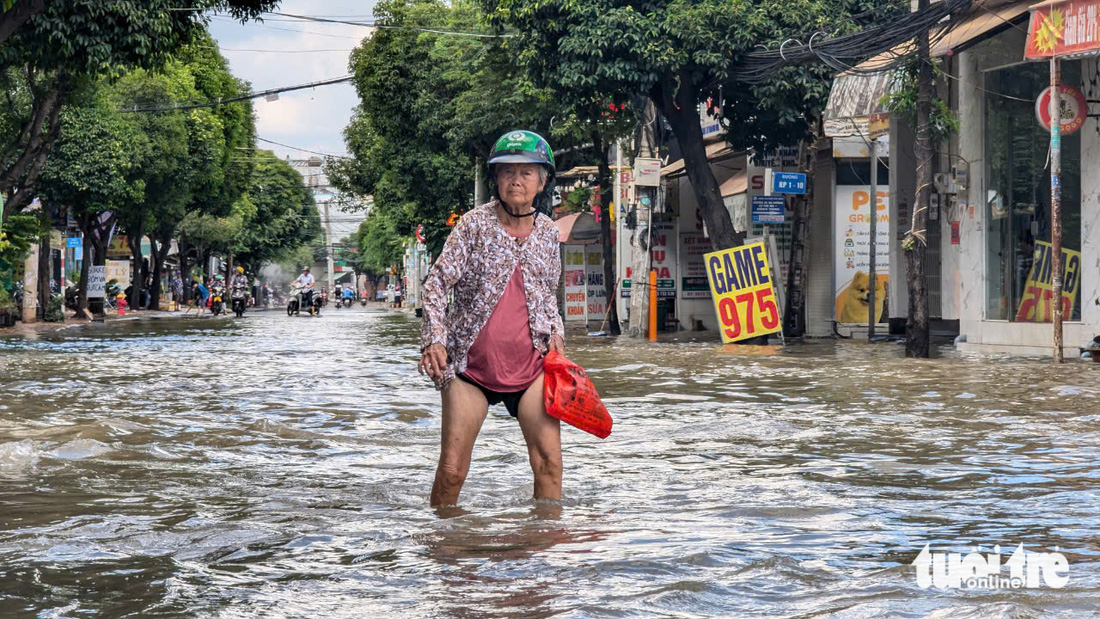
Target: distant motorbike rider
(306, 280)
(239, 282)
(349, 296)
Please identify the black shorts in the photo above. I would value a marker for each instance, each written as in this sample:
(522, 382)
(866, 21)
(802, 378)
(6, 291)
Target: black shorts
(510, 399)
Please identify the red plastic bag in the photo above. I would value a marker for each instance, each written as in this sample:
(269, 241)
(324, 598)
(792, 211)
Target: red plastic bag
(572, 398)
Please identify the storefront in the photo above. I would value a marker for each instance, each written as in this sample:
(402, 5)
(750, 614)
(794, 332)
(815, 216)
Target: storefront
(1004, 235)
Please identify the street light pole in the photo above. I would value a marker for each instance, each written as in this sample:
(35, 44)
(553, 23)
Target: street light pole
(872, 245)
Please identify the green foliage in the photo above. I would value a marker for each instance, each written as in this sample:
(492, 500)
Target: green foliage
(680, 48)
(902, 102)
(17, 235)
(92, 168)
(282, 216)
(7, 304)
(55, 310)
(431, 107)
(380, 246)
(93, 37)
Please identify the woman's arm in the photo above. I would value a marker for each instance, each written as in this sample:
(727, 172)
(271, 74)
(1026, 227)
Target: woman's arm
(553, 280)
(444, 274)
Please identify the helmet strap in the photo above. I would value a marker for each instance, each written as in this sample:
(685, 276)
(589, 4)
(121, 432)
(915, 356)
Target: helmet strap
(509, 211)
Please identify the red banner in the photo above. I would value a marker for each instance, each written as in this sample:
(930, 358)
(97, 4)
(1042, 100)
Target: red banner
(1067, 28)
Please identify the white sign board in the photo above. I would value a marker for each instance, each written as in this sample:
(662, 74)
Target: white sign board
(97, 282)
(647, 172)
(851, 257)
(119, 270)
(597, 292)
(575, 297)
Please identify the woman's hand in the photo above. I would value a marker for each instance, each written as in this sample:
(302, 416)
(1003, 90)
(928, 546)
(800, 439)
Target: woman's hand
(557, 343)
(434, 362)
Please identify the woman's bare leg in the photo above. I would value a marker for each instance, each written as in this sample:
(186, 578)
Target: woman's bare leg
(543, 435)
(464, 410)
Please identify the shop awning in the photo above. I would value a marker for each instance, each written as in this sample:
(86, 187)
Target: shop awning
(734, 185)
(714, 151)
(984, 21)
(856, 95)
(585, 171)
(578, 229)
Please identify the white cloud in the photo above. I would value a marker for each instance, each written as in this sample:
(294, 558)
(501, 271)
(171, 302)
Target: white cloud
(312, 119)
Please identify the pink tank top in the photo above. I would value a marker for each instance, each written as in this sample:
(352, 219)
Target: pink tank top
(503, 357)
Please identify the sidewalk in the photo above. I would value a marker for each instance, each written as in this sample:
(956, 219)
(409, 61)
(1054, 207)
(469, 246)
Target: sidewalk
(71, 322)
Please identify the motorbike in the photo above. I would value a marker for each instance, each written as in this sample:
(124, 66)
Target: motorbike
(217, 298)
(297, 295)
(318, 301)
(363, 298)
(239, 301)
(294, 301)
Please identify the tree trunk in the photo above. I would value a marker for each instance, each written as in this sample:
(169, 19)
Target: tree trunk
(916, 241)
(17, 15)
(137, 275)
(185, 269)
(682, 113)
(607, 186)
(85, 264)
(160, 255)
(19, 179)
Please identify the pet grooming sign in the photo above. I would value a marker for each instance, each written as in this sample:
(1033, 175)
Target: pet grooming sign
(741, 286)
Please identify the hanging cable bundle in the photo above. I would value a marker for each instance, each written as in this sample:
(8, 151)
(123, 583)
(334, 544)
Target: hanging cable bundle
(844, 52)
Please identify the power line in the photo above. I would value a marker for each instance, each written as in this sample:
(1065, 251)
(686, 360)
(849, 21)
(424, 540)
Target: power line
(304, 150)
(255, 95)
(325, 20)
(319, 34)
(279, 51)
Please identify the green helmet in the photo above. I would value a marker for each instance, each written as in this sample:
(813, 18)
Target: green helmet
(521, 147)
(525, 147)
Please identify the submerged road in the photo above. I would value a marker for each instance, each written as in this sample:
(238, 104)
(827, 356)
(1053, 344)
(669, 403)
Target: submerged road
(270, 467)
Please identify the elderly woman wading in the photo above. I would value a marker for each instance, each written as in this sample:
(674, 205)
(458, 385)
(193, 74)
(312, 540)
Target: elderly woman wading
(502, 264)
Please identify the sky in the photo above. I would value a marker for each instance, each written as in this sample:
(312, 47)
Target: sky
(295, 52)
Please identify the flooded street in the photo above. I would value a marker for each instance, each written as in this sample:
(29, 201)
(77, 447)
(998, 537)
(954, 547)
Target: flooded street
(273, 467)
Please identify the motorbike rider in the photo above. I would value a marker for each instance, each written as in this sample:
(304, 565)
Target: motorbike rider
(306, 280)
(239, 285)
(349, 296)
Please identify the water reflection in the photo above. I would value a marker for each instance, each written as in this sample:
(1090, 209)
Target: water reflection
(280, 467)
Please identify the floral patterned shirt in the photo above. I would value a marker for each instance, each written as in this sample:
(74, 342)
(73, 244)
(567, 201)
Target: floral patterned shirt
(476, 265)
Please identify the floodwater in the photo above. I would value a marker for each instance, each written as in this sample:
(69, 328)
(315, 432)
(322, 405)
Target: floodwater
(280, 467)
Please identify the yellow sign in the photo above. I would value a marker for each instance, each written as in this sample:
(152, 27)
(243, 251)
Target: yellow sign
(879, 126)
(741, 286)
(1037, 302)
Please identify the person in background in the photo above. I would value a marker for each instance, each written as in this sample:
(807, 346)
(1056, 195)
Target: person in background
(307, 282)
(177, 288)
(199, 296)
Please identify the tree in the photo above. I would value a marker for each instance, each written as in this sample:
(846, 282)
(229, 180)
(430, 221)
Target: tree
(917, 342)
(48, 49)
(16, 13)
(431, 107)
(680, 54)
(92, 172)
(285, 215)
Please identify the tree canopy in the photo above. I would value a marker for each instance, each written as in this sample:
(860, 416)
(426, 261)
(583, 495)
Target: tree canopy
(431, 107)
(680, 54)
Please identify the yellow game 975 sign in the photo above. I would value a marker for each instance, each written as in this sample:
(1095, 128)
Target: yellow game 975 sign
(741, 286)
